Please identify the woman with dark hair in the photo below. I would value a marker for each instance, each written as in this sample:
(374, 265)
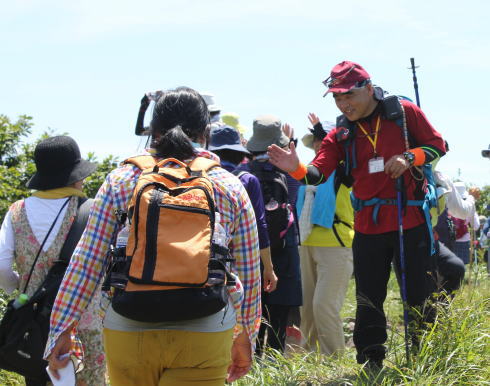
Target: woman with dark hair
(197, 351)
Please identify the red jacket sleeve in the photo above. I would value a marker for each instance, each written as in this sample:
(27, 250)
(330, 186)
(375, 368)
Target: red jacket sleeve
(422, 131)
(330, 154)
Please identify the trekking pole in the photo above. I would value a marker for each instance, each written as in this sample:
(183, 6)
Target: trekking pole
(475, 253)
(415, 84)
(399, 193)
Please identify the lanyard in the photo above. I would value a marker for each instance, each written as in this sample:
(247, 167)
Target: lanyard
(375, 140)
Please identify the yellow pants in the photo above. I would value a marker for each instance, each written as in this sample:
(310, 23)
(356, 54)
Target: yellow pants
(167, 357)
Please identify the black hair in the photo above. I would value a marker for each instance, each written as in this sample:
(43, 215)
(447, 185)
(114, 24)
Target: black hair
(233, 156)
(180, 116)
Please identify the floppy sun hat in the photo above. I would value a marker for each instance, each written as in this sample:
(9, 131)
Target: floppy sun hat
(233, 120)
(58, 164)
(226, 137)
(210, 102)
(266, 131)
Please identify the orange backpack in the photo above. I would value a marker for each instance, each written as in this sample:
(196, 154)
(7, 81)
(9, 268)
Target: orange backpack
(174, 270)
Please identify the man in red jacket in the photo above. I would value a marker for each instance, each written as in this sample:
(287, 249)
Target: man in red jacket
(370, 140)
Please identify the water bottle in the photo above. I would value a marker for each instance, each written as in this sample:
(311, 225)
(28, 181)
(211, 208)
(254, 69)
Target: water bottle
(20, 301)
(219, 236)
(216, 271)
(122, 237)
(118, 275)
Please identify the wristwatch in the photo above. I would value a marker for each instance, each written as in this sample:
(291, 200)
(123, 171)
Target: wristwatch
(410, 157)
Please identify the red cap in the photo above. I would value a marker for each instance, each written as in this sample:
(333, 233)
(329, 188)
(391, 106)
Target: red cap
(345, 76)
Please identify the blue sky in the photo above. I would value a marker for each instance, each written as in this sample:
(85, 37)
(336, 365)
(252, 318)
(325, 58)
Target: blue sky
(82, 67)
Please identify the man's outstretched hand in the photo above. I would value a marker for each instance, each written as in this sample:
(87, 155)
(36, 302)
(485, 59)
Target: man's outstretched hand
(286, 160)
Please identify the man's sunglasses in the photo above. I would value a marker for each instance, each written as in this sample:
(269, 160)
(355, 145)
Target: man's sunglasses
(330, 82)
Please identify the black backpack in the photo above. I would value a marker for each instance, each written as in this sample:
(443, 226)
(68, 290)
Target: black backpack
(446, 230)
(24, 330)
(278, 211)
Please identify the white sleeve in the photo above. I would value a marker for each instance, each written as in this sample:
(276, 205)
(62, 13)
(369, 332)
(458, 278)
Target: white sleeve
(475, 221)
(457, 206)
(9, 279)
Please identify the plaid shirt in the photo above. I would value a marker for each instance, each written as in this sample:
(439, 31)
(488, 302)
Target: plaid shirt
(89, 261)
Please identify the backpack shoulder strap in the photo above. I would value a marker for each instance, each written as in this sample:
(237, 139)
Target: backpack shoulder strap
(392, 109)
(202, 163)
(345, 135)
(141, 161)
(76, 229)
(46, 292)
(240, 173)
(345, 130)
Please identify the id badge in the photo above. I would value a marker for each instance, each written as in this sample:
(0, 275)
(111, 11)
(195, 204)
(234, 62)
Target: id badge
(376, 165)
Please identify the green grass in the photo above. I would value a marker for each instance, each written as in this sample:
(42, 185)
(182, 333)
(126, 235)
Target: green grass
(455, 351)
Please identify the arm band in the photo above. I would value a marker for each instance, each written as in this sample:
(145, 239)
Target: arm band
(419, 155)
(431, 153)
(300, 172)
(312, 176)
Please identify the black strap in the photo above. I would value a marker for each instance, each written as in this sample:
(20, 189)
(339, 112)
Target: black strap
(44, 242)
(337, 235)
(46, 292)
(240, 173)
(76, 229)
(336, 221)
